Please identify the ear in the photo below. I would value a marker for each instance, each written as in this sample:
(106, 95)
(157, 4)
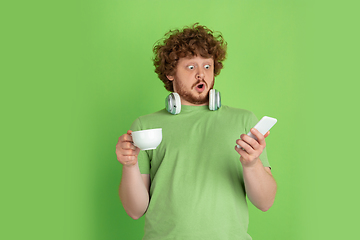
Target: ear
(171, 78)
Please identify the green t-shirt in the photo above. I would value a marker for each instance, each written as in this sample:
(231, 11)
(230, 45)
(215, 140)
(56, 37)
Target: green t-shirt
(197, 189)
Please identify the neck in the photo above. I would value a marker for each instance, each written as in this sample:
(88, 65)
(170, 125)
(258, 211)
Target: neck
(184, 102)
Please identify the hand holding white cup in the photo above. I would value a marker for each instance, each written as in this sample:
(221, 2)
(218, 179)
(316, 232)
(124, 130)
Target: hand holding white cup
(147, 139)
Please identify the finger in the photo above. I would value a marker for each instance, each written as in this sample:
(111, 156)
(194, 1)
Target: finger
(126, 137)
(127, 145)
(241, 151)
(258, 135)
(249, 140)
(245, 146)
(128, 152)
(267, 134)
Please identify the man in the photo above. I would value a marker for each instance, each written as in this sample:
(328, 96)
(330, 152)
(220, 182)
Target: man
(193, 186)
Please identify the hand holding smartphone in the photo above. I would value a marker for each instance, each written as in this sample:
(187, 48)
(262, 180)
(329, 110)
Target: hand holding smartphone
(263, 126)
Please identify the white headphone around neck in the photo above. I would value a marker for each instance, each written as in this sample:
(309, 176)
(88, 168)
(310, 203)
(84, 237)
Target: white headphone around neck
(173, 102)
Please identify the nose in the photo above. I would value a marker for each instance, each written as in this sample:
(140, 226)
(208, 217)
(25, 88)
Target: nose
(200, 74)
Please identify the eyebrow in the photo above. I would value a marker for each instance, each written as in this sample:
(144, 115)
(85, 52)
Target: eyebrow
(194, 63)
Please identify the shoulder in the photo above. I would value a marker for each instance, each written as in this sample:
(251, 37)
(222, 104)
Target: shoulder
(156, 115)
(149, 121)
(237, 111)
(243, 118)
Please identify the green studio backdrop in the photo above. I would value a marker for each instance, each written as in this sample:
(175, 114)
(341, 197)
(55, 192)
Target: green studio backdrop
(79, 73)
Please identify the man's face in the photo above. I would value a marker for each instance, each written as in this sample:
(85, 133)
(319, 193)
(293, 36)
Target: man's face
(193, 79)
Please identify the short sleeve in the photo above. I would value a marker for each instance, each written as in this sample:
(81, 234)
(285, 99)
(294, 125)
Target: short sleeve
(253, 120)
(143, 157)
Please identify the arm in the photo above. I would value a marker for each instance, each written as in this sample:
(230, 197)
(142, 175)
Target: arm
(134, 191)
(259, 183)
(134, 186)
(260, 186)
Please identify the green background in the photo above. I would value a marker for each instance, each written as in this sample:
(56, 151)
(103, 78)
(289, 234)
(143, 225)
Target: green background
(75, 74)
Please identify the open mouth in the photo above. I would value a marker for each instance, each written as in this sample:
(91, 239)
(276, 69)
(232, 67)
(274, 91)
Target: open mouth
(200, 87)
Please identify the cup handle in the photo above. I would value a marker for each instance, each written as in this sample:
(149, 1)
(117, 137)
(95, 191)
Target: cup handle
(134, 144)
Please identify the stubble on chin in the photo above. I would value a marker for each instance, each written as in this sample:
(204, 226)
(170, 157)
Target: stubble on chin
(193, 98)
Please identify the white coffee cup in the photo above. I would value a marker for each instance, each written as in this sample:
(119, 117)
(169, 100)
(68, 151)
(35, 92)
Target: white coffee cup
(147, 139)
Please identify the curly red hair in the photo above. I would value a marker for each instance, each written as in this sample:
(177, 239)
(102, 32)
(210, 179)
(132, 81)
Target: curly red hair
(190, 41)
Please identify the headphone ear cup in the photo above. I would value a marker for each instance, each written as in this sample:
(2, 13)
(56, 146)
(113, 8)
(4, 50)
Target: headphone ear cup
(217, 100)
(168, 104)
(214, 100)
(177, 103)
(173, 103)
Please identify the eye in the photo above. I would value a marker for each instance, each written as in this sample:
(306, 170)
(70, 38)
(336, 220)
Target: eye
(207, 66)
(191, 67)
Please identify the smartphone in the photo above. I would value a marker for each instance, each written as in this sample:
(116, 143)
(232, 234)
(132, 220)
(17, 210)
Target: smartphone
(263, 126)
